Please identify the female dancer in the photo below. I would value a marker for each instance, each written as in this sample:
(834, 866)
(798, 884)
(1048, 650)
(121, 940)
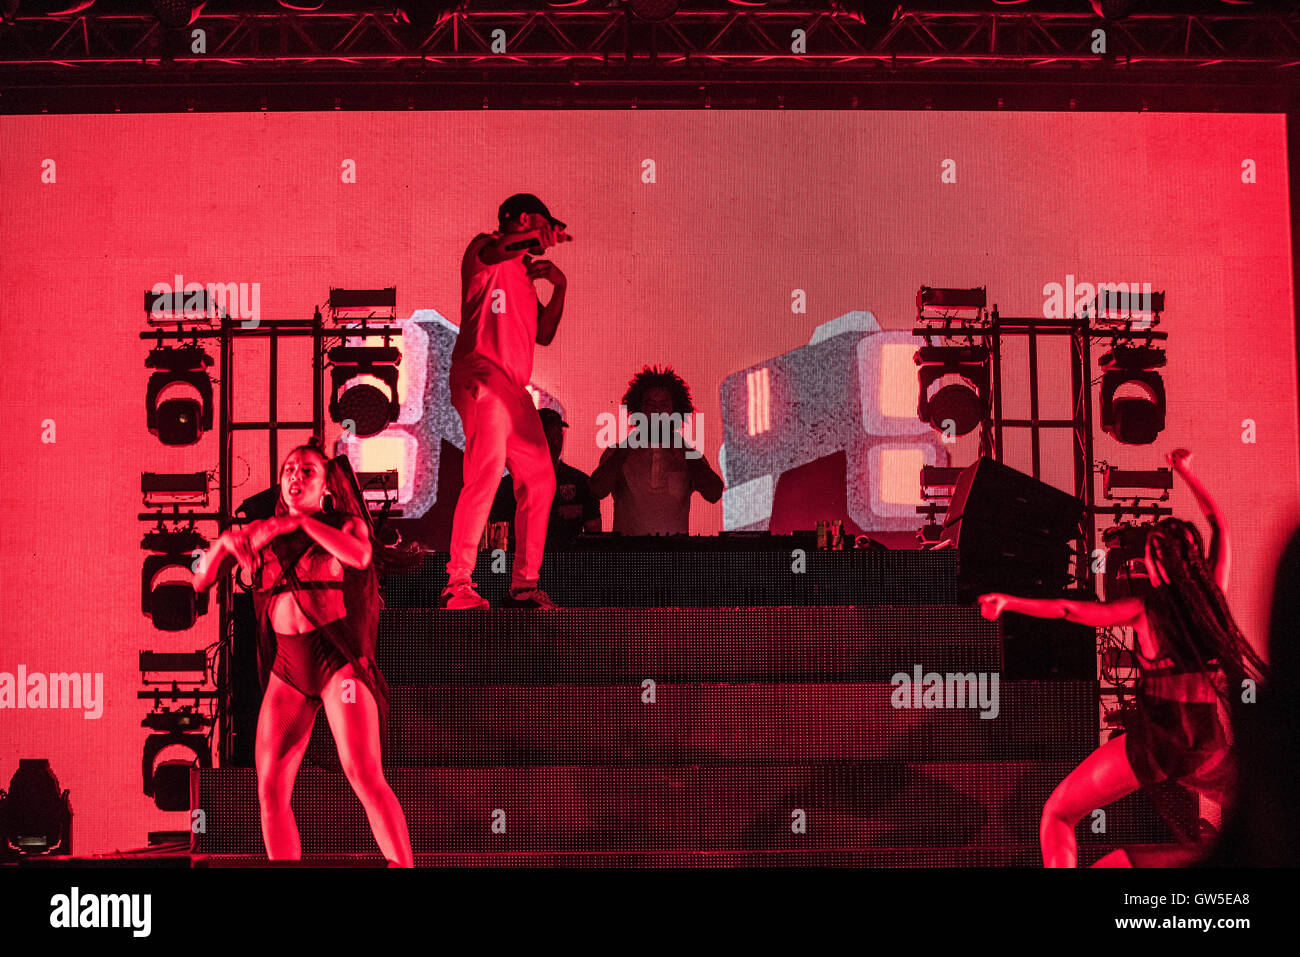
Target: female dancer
(1192, 656)
(316, 595)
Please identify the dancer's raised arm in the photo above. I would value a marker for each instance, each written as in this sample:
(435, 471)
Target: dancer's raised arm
(1220, 553)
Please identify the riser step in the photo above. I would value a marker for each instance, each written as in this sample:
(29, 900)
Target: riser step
(698, 577)
(882, 804)
(617, 645)
(519, 725)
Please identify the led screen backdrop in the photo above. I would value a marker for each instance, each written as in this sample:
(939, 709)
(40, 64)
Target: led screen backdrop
(771, 258)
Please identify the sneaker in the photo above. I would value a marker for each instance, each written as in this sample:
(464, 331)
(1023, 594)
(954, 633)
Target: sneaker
(462, 595)
(529, 598)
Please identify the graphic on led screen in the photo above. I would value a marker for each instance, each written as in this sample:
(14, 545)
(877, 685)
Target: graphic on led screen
(774, 265)
(843, 410)
(844, 404)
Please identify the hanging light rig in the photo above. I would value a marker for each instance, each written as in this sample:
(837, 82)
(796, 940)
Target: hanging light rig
(953, 395)
(363, 379)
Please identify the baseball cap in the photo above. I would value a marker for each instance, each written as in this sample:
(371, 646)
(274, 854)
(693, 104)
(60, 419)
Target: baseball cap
(525, 203)
(549, 415)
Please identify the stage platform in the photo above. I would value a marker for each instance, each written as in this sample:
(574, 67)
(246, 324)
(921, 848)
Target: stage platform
(701, 736)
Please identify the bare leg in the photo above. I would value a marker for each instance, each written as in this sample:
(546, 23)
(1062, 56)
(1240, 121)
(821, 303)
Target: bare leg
(283, 731)
(1116, 858)
(354, 720)
(1103, 776)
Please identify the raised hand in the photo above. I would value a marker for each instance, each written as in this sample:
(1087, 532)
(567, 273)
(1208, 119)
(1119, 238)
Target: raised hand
(550, 236)
(992, 605)
(545, 269)
(240, 543)
(1179, 459)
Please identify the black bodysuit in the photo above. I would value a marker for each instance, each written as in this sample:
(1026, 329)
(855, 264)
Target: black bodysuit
(306, 662)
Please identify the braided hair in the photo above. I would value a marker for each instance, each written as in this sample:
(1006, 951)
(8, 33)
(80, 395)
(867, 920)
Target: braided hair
(1190, 614)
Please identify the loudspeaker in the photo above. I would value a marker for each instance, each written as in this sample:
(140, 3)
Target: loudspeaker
(1047, 649)
(1012, 532)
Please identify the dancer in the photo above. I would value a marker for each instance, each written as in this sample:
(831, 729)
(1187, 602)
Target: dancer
(317, 600)
(501, 319)
(1192, 657)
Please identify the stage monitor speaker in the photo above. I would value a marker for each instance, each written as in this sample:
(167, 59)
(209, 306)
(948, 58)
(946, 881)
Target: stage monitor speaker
(1012, 532)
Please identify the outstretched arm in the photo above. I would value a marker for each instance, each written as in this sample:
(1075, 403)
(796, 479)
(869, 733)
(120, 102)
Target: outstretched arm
(1220, 553)
(494, 250)
(1099, 614)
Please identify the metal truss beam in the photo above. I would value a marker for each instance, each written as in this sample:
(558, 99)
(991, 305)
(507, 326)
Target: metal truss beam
(472, 54)
(507, 40)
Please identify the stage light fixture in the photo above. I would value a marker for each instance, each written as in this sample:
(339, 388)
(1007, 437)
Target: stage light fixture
(1136, 484)
(173, 605)
(168, 781)
(163, 489)
(939, 482)
(1133, 394)
(954, 393)
(356, 395)
(35, 816)
(179, 399)
(1125, 573)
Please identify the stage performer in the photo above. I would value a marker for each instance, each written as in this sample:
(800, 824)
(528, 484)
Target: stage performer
(650, 475)
(1192, 657)
(501, 319)
(316, 595)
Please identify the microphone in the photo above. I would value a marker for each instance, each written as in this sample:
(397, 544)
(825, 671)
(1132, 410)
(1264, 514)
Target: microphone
(531, 243)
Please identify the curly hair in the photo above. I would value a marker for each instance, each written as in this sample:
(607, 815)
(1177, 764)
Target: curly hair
(1190, 614)
(658, 377)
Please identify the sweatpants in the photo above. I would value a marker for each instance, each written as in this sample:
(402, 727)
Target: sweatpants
(502, 429)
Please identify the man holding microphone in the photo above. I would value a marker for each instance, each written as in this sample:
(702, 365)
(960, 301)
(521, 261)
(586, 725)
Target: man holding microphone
(501, 320)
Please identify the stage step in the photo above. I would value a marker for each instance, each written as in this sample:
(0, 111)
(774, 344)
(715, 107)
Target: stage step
(879, 804)
(996, 855)
(687, 573)
(618, 645)
(524, 725)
